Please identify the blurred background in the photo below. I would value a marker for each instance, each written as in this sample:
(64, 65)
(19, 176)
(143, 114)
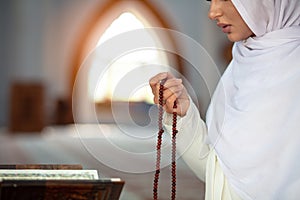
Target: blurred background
(45, 43)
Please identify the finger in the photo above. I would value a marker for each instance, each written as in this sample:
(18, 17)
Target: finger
(169, 103)
(153, 82)
(177, 90)
(173, 82)
(160, 78)
(156, 93)
(171, 95)
(157, 78)
(171, 86)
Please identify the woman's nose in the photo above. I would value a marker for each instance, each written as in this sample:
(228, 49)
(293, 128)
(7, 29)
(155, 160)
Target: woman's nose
(214, 11)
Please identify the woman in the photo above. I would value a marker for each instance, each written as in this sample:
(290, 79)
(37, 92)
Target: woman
(249, 147)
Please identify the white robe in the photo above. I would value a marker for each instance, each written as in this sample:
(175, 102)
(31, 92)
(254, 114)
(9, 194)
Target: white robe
(199, 156)
(253, 121)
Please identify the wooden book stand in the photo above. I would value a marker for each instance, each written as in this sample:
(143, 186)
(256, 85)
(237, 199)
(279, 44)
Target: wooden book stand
(104, 189)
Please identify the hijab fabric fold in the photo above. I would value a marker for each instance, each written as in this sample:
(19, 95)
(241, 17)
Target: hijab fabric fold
(254, 117)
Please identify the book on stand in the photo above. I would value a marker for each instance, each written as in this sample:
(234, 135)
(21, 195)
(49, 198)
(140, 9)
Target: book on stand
(57, 182)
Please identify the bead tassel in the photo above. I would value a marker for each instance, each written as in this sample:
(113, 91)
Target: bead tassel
(174, 132)
(158, 148)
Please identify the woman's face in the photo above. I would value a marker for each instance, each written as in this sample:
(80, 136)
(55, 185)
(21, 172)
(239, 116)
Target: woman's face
(229, 20)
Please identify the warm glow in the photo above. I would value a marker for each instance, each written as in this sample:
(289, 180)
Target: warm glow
(125, 22)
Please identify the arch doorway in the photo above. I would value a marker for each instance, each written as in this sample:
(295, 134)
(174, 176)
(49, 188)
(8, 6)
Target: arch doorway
(97, 88)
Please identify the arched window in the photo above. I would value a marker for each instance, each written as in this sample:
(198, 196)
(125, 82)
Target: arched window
(127, 21)
(117, 17)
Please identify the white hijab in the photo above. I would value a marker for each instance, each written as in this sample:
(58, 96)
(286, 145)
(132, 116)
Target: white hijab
(254, 117)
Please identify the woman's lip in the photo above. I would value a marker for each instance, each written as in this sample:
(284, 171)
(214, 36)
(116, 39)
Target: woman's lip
(225, 27)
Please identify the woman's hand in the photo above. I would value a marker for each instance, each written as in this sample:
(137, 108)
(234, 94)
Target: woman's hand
(174, 90)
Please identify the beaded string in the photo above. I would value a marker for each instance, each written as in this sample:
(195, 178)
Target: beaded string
(158, 144)
(174, 132)
(158, 147)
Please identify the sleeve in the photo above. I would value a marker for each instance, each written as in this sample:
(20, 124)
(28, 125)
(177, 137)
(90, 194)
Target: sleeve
(191, 137)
